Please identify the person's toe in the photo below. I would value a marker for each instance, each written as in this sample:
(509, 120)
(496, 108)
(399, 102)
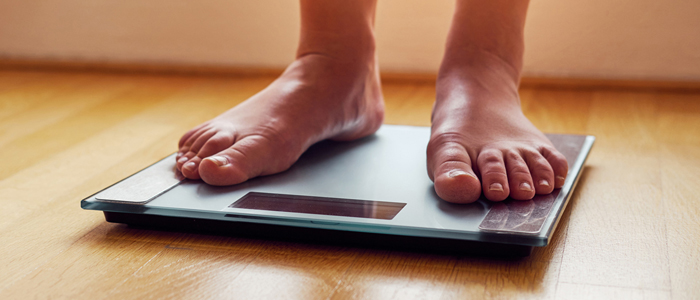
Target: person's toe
(185, 137)
(185, 153)
(201, 140)
(494, 179)
(541, 171)
(450, 168)
(190, 168)
(519, 178)
(188, 162)
(213, 144)
(188, 139)
(558, 163)
(183, 159)
(248, 158)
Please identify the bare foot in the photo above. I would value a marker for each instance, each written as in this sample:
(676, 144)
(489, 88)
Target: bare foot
(480, 138)
(482, 141)
(317, 97)
(331, 91)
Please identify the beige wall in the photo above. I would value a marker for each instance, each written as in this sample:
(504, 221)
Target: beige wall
(628, 39)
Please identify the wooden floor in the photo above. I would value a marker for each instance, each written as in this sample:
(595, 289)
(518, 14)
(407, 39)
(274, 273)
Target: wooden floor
(632, 230)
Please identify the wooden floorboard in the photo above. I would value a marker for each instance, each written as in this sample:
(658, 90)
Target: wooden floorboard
(632, 230)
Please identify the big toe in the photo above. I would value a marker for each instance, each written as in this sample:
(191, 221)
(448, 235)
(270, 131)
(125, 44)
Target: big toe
(457, 185)
(245, 159)
(449, 165)
(219, 170)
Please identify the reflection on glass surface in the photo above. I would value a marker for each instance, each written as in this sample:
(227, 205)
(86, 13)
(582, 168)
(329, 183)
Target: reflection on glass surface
(320, 205)
(519, 216)
(144, 185)
(515, 216)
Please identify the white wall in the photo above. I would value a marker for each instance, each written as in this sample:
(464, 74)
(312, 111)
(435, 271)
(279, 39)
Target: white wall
(626, 39)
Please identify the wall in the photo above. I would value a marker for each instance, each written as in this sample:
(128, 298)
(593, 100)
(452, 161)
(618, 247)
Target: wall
(620, 39)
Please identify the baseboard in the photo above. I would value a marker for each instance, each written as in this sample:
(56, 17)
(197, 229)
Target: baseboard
(593, 83)
(389, 77)
(127, 67)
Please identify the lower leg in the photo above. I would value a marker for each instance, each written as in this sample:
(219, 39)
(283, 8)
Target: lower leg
(331, 90)
(480, 138)
(343, 30)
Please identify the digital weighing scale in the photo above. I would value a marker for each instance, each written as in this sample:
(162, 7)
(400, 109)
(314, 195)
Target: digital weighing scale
(371, 192)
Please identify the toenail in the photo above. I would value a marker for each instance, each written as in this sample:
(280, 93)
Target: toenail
(189, 166)
(560, 180)
(544, 182)
(219, 160)
(179, 154)
(455, 173)
(525, 187)
(496, 187)
(183, 159)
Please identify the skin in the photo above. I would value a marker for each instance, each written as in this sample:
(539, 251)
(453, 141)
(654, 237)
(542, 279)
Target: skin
(480, 141)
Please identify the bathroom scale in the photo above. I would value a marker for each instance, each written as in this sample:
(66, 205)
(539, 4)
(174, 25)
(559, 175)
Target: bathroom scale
(374, 191)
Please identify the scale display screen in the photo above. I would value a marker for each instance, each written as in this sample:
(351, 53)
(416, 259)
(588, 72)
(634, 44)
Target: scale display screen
(320, 205)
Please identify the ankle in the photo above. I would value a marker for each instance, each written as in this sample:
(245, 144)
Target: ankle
(475, 60)
(344, 49)
(343, 30)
